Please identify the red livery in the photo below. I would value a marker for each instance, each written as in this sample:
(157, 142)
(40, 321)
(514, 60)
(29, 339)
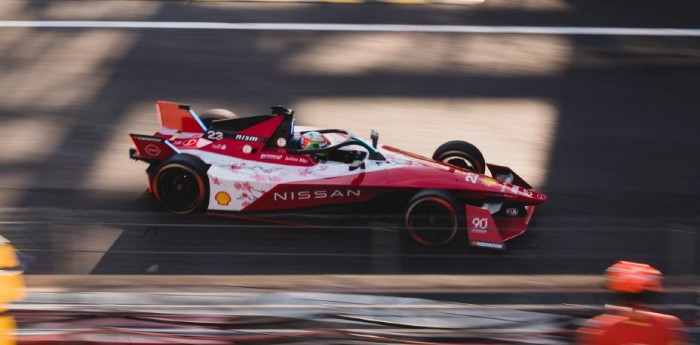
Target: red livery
(221, 163)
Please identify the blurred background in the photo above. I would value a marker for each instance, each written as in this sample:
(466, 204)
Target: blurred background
(606, 125)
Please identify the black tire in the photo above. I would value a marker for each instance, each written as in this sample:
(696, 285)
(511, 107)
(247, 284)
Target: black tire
(462, 155)
(212, 115)
(433, 217)
(180, 184)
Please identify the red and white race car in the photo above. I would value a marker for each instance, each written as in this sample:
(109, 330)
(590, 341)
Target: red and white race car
(223, 164)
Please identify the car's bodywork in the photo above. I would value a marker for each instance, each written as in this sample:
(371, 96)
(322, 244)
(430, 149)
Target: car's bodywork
(253, 165)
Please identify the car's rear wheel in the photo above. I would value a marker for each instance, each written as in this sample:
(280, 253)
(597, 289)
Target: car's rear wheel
(462, 155)
(433, 217)
(180, 184)
(212, 115)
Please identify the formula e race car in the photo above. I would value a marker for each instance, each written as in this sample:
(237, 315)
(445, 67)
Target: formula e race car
(222, 164)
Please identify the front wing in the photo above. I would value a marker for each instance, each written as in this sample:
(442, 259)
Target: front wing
(483, 230)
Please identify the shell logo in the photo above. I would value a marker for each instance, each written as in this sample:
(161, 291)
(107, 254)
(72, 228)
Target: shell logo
(222, 198)
(488, 181)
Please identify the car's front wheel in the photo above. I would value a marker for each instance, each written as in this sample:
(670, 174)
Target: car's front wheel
(180, 184)
(462, 155)
(433, 217)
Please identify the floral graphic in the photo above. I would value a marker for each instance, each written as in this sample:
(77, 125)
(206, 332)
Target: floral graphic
(305, 172)
(237, 166)
(247, 193)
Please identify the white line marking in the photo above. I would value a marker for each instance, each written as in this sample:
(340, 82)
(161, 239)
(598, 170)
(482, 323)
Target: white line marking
(529, 30)
(334, 306)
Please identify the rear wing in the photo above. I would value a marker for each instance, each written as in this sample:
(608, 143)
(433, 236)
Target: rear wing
(151, 148)
(177, 118)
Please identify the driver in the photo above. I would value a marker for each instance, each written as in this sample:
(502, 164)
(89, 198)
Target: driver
(316, 140)
(313, 140)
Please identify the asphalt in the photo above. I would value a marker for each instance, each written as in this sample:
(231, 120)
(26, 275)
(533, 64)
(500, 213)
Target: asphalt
(620, 166)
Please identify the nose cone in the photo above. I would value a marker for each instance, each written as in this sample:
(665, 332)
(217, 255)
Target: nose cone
(528, 195)
(522, 194)
(539, 197)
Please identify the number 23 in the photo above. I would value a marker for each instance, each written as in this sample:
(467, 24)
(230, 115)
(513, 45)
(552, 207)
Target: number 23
(212, 135)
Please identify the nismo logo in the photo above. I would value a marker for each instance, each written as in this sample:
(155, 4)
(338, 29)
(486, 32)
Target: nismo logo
(246, 137)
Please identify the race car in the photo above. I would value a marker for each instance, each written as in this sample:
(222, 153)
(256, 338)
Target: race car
(222, 164)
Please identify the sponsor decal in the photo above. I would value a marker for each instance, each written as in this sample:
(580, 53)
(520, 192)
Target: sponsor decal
(488, 181)
(471, 177)
(152, 150)
(541, 197)
(222, 198)
(526, 192)
(514, 189)
(247, 149)
(270, 156)
(150, 139)
(316, 194)
(245, 137)
(221, 147)
(295, 159)
(281, 142)
(512, 211)
(190, 142)
(480, 225)
(488, 245)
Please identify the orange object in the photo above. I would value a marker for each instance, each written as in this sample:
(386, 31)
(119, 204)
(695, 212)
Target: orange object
(7, 329)
(178, 117)
(633, 277)
(11, 289)
(223, 198)
(624, 326)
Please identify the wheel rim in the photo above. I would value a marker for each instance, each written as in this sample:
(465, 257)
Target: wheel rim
(431, 222)
(179, 189)
(461, 161)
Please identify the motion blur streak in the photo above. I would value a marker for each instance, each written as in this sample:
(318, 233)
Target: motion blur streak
(27, 149)
(110, 172)
(100, 9)
(82, 54)
(77, 256)
(41, 98)
(494, 125)
(40, 104)
(531, 5)
(531, 30)
(367, 53)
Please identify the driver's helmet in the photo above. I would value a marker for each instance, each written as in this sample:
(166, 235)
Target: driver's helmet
(633, 277)
(313, 140)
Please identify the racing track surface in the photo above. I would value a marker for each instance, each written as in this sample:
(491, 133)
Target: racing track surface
(620, 166)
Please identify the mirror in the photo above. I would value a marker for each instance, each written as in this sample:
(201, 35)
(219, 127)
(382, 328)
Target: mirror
(375, 138)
